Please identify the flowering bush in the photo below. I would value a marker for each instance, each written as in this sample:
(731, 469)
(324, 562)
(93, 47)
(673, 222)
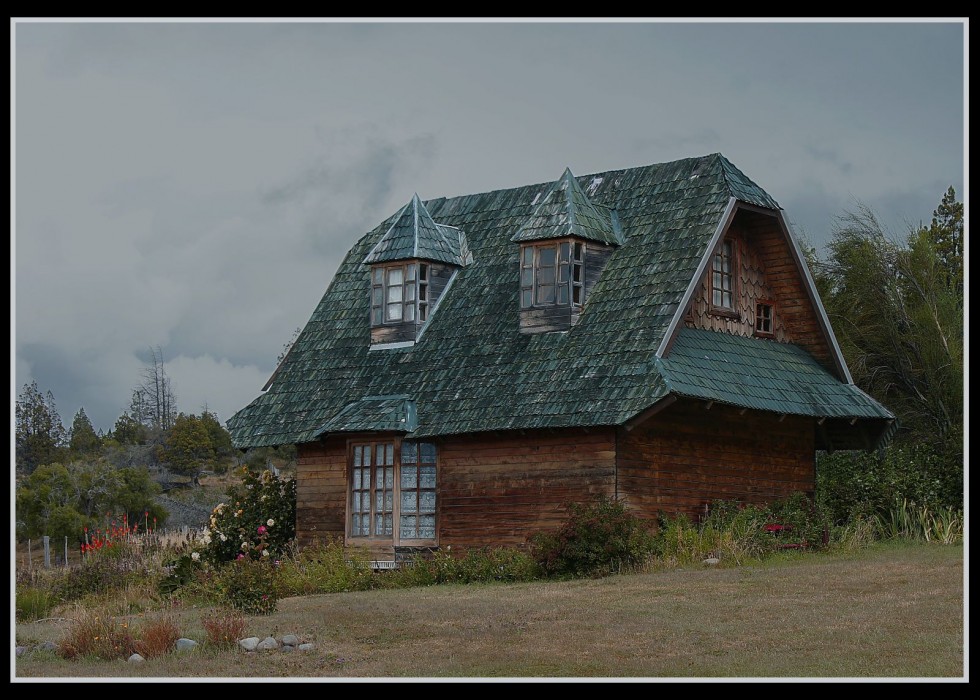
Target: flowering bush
(257, 522)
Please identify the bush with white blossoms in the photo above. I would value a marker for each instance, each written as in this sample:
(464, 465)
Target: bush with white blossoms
(257, 522)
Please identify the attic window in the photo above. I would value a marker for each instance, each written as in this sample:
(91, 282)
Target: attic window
(552, 273)
(764, 318)
(723, 278)
(399, 293)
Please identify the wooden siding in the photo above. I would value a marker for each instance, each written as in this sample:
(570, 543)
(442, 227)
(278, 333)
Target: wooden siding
(498, 490)
(394, 332)
(751, 285)
(687, 455)
(766, 271)
(321, 490)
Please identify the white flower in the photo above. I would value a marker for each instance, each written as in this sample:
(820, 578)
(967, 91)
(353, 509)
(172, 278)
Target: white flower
(206, 540)
(244, 546)
(270, 522)
(265, 552)
(224, 539)
(195, 556)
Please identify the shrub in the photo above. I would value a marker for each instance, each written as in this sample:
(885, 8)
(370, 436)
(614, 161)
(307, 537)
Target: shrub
(485, 565)
(157, 636)
(97, 575)
(97, 635)
(249, 586)
(596, 539)
(324, 568)
(852, 484)
(33, 603)
(259, 520)
(223, 628)
(906, 520)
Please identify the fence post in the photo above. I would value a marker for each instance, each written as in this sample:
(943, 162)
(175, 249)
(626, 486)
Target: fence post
(66, 551)
(47, 552)
(30, 560)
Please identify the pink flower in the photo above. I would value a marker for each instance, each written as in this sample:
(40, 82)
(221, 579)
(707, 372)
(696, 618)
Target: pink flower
(261, 529)
(240, 556)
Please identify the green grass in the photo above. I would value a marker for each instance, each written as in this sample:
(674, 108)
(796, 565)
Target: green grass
(892, 610)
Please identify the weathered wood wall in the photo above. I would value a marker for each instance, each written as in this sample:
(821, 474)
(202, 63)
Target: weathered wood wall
(321, 490)
(497, 490)
(687, 455)
(438, 279)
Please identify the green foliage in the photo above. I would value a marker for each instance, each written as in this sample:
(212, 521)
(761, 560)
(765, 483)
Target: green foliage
(129, 431)
(249, 586)
(188, 447)
(98, 574)
(897, 310)
(220, 438)
(486, 565)
(33, 603)
(59, 500)
(906, 520)
(258, 522)
(862, 484)
(596, 539)
(180, 571)
(83, 442)
(325, 568)
(39, 433)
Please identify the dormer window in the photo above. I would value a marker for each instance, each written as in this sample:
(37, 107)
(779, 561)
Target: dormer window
(399, 293)
(552, 273)
(723, 278)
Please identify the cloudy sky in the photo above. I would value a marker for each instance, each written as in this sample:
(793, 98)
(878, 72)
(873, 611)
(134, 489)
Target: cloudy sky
(193, 186)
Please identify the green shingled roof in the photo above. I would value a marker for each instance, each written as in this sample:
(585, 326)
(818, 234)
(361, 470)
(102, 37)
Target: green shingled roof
(414, 235)
(473, 370)
(760, 374)
(567, 211)
(374, 413)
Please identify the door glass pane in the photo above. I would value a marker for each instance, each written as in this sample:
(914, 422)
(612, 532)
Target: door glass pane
(357, 479)
(428, 475)
(389, 477)
(378, 524)
(389, 501)
(357, 456)
(389, 454)
(379, 501)
(428, 452)
(388, 524)
(428, 501)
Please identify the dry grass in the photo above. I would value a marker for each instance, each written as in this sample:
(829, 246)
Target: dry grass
(890, 611)
(157, 636)
(223, 628)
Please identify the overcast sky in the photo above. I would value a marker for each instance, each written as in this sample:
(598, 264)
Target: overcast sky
(194, 186)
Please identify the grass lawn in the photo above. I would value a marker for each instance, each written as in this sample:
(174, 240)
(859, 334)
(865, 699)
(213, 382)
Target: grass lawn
(889, 611)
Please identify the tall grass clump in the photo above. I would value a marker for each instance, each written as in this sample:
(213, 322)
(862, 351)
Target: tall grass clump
(484, 565)
(157, 636)
(596, 539)
(223, 627)
(33, 604)
(92, 633)
(906, 520)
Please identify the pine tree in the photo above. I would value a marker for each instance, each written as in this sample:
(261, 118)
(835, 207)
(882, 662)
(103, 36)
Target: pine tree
(40, 435)
(84, 441)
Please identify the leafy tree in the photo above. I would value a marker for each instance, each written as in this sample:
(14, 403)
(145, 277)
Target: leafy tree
(84, 441)
(60, 500)
(129, 430)
(188, 447)
(897, 310)
(220, 437)
(39, 433)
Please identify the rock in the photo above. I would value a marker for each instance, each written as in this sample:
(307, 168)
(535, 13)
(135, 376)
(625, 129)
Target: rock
(305, 647)
(21, 650)
(288, 647)
(185, 644)
(711, 561)
(249, 643)
(47, 646)
(267, 643)
(135, 658)
(290, 640)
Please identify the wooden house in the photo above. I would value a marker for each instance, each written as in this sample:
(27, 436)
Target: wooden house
(651, 334)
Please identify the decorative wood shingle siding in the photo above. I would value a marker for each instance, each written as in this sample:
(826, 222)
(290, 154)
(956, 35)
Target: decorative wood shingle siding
(688, 455)
(321, 490)
(546, 319)
(394, 332)
(439, 276)
(793, 305)
(498, 489)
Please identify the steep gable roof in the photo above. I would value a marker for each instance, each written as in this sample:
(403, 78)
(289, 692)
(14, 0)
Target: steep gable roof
(474, 371)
